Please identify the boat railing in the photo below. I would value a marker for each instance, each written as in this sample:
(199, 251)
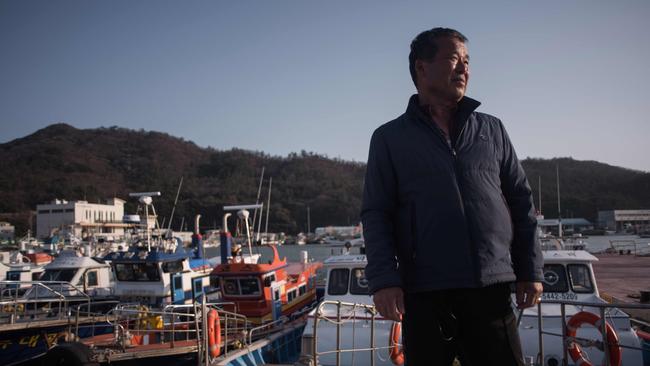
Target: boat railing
(345, 312)
(631, 247)
(602, 344)
(33, 300)
(266, 328)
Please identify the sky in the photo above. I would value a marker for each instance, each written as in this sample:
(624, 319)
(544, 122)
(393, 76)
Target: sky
(567, 78)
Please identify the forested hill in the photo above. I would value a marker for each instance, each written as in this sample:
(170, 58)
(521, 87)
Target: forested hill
(61, 161)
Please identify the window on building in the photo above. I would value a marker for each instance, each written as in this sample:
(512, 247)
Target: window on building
(69, 210)
(338, 281)
(57, 210)
(43, 212)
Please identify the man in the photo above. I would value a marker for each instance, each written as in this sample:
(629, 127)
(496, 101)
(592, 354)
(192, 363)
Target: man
(448, 218)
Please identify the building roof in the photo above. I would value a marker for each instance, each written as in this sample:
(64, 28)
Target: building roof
(571, 222)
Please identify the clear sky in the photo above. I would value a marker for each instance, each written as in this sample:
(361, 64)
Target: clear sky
(568, 78)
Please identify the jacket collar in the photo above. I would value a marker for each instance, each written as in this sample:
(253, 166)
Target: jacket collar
(466, 106)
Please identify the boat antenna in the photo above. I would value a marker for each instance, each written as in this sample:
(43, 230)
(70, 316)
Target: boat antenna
(171, 218)
(268, 207)
(559, 211)
(146, 200)
(257, 201)
(539, 192)
(244, 214)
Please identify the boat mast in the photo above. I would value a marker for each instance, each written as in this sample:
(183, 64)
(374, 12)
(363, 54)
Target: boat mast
(257, 201)
(539, 192)
(559, 210)
(268, 207)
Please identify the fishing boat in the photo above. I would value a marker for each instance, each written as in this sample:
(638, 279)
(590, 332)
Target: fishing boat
(264, 292)
(345, 327)
(46, 312)
(22, 268)
(93, 275)
(572, 314)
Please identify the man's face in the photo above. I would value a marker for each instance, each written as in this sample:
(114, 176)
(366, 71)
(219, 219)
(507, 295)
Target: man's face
(445, 76)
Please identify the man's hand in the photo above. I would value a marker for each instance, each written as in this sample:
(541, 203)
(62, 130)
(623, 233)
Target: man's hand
(528, 294)
(390, 303)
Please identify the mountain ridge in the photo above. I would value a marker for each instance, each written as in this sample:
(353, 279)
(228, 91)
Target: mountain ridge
(61, 161)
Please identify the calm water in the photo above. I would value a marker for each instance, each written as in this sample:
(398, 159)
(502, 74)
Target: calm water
(320, 252)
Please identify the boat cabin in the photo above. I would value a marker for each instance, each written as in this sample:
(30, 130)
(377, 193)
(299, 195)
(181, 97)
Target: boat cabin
(264, 292)
(346, 279)
(91, 275)
(159, 278)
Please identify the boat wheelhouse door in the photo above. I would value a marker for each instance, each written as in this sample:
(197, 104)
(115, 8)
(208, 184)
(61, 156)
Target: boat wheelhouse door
(277, 301)
(178, 295)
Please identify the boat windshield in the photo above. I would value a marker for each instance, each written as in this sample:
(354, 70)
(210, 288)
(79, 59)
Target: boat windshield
(358, 282)
(137, 272)
(241, 286)
(58, 275)
(558, 278)
(341, 279)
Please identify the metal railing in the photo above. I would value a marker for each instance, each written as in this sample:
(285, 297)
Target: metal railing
(339, 321)
(601, 344)
(34, 300)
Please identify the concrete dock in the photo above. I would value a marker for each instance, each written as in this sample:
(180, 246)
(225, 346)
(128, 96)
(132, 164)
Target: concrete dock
(621, 278)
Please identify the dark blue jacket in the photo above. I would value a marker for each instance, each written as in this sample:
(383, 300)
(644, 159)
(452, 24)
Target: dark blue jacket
(440, 215)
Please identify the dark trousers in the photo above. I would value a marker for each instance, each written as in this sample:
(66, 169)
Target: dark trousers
(476, 325)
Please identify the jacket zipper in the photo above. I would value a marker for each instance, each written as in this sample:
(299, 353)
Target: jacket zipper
(454, 155)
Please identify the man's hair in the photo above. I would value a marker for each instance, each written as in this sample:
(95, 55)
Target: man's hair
(424, 46)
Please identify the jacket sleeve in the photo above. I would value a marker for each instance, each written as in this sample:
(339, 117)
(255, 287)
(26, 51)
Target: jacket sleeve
(377, 214)
(525, 250)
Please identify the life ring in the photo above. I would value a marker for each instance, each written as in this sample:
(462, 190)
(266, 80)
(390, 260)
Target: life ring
(214, 333)
(612, 339)
(396, 352)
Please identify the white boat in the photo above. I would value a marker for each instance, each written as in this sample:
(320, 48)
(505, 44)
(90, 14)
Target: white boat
(346, 283)
(569, 283)
(570, 288)
(16, 266)
(92, 275)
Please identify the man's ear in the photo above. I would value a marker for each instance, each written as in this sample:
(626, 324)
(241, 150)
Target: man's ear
(420, 69)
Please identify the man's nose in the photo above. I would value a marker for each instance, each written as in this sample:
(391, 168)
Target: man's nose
(462, 67)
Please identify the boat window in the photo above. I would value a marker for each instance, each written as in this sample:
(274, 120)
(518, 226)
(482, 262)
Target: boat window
(338, 281)
(91, 278)
(291, 295)
(36, 276)
(302, 289)
(249, 286)
(13, 276)
(172, 267)
(269, 279)
(231, 286)
(58, 275)
(555, 278)
(580, 278)
(358, 282)
(137, 272)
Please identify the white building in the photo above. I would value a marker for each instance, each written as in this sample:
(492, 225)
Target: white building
(621, 220)
(7, 231)
(80, 218)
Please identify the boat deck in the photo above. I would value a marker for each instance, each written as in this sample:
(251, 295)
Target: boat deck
(622, 277)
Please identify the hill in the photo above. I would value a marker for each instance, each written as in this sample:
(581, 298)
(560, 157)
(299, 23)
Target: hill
(61, 161)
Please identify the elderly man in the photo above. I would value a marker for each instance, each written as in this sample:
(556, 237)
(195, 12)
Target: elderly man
(448, 218)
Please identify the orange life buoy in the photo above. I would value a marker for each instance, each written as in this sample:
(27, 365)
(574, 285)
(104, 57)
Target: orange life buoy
(612, 339)
(214, 333)
(396, 352)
